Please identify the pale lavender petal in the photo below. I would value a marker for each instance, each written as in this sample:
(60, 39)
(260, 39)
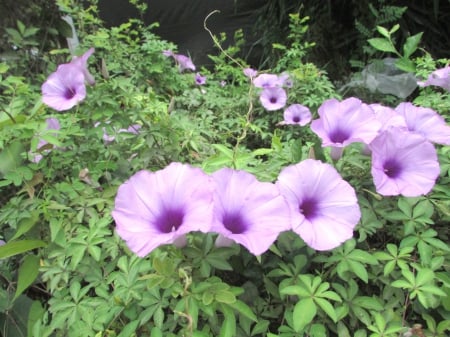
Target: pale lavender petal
(157, 208)
(247, 211)
(297, 114)
(266, 81)
(273, 98)
(342, 123)
(52, 124)
(324, 207)
(439, 77)
(64, 88)
(184, 62)
(388, 117)
(199, 79)
(82, 63)
(426, 122)
(403, 163)
(250, 72)
(285, 80)
(167, 53)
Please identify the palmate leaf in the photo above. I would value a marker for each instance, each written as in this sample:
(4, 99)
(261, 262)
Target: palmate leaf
(304, 312)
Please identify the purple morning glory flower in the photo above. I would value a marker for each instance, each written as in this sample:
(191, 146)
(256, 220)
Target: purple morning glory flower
(403, 163)
(167, 53)
(184, 62)
(285, 80)
(107, 138)
(247, 211)
(388, 117)
(157, 208)
(273, 98)
(297, 114)
(81, 63)
(199, 79)
(426, 122)
(52, 124)
(342, 123)
(64, 88)
(250, 72)
(439, 77)
(266, 81)
(324, 207)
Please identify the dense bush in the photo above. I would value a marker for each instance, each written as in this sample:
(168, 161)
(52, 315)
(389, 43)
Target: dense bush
(314, 238)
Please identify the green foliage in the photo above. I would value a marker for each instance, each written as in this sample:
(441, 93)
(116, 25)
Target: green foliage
(385, 44)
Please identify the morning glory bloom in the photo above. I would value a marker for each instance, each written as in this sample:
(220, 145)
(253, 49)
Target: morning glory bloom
(167, 53)
(388, 117)
(199, 79)
(285, 80)
(266, 81)
(297, 114)
(247, 211)
(184, 62)
(273, 98)
(107, 138)
(157, 208)
(426, 122)
(64, 88)
(403, 163)
(81, 63)
(342, 123)
(439, 77)
(324, 207)
(52, 124)
(250, 72)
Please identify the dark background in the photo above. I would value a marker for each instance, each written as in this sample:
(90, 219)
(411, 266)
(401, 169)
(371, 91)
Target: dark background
(332, 25)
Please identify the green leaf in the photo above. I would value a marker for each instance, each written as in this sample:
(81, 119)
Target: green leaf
(28, 272)
(25, 225)
(383, 31)
(260, 327)
(295, 290)
(424, 276)
(401, 284)
(156, 332)
(10, 157)
(327, 307)
(17, 247)
(411, 44)
(228, 328)
(36, 313)
(129, 329)
(383, 45)
(224, 296)
(405, 65)
(243, 309)
(304, 312)
(359, 270)
(207, 298)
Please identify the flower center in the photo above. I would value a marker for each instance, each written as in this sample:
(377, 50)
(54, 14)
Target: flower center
(339, 136)
(69, 94)
(296, 119)
(170, 220)
(309, 208)
(234, 223)
(392, 168)
(273, 100)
